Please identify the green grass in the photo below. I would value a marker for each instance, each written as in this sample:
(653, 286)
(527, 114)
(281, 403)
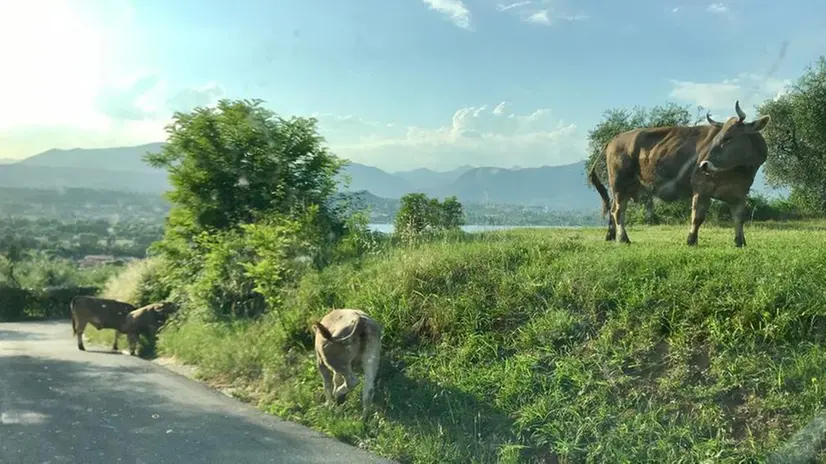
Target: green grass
(537, 345)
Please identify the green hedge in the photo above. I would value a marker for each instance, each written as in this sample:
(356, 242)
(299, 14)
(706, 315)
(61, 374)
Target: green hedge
(18, 304)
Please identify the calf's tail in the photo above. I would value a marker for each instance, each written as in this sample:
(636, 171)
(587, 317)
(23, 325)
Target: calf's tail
(594, 178)
(329, 336)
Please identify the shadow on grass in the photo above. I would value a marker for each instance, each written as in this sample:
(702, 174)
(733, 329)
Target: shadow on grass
(106, 410)
(473, 427)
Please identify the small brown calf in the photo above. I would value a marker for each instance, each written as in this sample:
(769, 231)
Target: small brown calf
(149, 317)
(344, 336)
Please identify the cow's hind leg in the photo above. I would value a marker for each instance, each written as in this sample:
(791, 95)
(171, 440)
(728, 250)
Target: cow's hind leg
(738, 213)
(611, 235)
(699, 209)
(81, 326)
(618, 207)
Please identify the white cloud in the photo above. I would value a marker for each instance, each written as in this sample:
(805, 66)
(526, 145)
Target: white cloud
(187, 99)
(539, 17)
(717, 8)
(132, 99)
(675, 9)
(455, 10)
(544, 16)
(481, 136)
(510, 6)
(750, 89)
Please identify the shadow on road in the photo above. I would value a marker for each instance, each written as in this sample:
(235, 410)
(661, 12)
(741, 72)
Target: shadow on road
(56, 409)
(14, 335)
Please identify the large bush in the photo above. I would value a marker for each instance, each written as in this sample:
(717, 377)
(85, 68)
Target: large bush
(253, 205)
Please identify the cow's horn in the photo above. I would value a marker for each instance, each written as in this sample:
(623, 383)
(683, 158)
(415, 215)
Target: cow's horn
(711, 121)
(739, 111)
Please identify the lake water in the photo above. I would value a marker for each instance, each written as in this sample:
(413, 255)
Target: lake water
(388, 228)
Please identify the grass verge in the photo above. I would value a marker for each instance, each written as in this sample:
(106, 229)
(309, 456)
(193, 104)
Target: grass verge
(554, 346)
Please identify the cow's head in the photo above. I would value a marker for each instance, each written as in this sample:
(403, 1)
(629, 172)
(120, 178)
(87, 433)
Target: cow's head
(732, 146)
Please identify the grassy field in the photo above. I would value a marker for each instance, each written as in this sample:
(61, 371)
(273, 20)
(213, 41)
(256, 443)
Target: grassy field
(555, 346)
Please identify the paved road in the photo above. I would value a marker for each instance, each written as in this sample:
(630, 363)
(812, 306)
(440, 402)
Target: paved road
(61, 405)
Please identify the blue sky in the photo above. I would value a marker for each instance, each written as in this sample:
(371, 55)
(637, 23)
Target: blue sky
(394, 84)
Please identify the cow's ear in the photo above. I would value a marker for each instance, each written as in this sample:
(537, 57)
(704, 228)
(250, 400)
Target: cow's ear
(760, 123)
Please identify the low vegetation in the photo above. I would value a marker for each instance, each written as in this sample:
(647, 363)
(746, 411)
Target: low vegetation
(523, 345)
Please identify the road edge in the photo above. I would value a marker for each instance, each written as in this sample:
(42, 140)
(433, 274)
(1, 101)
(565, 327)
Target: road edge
(190, 372)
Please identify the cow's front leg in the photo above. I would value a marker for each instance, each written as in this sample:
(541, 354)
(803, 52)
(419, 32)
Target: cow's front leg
(115, 344)
(699, 209)
(738, 214)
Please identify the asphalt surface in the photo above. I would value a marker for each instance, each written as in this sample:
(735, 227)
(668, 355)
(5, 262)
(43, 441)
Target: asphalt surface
(62, 405)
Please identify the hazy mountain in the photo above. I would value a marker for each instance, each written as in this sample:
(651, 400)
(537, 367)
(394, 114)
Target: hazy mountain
(112, 159)
(376, 181)
(425, 178)
(557, 187)
(122, 168)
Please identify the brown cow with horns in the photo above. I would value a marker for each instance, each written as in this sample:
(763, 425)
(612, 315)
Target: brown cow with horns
(717, 161)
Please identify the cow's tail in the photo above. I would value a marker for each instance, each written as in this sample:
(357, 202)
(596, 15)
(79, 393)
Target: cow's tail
(325, 332)
(72, 313)
(603, 192)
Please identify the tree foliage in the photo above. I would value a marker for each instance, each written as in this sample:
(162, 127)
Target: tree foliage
(235, 163)
(796, 138)
(418, 213)
(254, 204)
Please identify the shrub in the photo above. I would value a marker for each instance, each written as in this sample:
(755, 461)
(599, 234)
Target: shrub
(140, 283)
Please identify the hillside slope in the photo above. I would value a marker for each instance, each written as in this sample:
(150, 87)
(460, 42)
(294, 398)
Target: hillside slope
(554, 346)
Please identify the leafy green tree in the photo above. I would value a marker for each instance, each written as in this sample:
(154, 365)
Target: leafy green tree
(413, 215)
(452, 215)
(796, 138)
(232, 164)
(418, 213)
(14, 253)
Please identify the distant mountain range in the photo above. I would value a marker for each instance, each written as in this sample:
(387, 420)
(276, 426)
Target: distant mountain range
(122, 169)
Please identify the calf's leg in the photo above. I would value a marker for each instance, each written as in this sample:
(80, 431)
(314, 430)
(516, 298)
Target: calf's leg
(370, 365)
(132, 338)
(327, 379)
(350, 382)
